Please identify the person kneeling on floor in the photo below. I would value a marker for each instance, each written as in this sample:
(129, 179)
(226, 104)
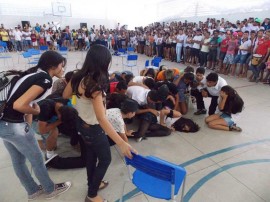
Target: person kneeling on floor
(230, 103)
(174, 120)
(116, 117)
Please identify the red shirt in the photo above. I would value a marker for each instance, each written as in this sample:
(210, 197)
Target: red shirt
(263, 46)
(33, 37)
(224, 43)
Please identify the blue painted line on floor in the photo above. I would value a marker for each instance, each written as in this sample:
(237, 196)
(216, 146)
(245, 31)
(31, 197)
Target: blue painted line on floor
(129, 195)
(187, 163)
(214, 173)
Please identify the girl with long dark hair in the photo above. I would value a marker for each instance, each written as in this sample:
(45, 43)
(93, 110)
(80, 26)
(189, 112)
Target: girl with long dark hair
(16, 131)
(88, 87)
(230, 103)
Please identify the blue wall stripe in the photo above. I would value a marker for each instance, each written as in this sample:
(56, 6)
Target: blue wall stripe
(187, 163)
(214, 173)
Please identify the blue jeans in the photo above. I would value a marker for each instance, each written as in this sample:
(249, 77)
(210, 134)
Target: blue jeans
(178, 52)
(19, 139)
(98, 154)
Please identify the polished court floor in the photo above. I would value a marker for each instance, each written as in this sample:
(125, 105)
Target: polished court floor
(221, 166)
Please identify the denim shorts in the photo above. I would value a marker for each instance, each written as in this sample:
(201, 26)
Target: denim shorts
(228, 59)
(227, 118)
(240, 59)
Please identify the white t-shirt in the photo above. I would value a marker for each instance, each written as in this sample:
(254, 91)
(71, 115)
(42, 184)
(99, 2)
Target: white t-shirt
(138, 79)
(245, 45)
(181, 38)
(27, 35)
(92, 36)
(197, 38)
(114, 116)
(18, 35)
(48, 37)
(138, 93)
(205, 48)
(215, 90)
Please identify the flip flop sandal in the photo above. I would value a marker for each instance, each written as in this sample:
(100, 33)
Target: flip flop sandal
(103, 184)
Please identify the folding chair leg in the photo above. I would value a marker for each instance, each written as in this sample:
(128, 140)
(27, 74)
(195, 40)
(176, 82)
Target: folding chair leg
(123, 190)
(183, 190)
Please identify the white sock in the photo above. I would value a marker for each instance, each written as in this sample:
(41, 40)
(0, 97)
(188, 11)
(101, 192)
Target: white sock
(49, 154)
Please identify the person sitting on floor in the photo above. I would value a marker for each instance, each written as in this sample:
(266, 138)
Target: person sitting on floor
(230, 103)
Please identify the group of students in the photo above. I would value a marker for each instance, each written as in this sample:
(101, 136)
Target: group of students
(89, 85)
(77, 108)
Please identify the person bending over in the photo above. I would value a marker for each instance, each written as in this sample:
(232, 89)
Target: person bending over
(116, 117)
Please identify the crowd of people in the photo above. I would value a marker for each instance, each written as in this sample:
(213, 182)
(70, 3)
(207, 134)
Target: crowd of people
(93, 108)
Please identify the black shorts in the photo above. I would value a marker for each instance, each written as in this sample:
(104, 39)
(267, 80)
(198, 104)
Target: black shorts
(195, 52)
(212, 56)
(174, 45)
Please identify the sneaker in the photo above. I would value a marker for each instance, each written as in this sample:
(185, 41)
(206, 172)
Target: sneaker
(139, 139)
(59, 189)
(200, 111)
(48, 160)
(34, 196)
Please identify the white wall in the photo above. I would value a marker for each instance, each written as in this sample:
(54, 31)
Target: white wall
(74, 23)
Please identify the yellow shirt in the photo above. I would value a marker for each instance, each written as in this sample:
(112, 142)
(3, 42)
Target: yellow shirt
(4, 35)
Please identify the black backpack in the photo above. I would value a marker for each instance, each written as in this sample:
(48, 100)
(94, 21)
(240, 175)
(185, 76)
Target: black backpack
(7, 82)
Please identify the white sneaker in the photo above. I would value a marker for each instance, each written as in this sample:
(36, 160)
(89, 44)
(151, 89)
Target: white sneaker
(37, 194)
(47, 160)
(59, 189)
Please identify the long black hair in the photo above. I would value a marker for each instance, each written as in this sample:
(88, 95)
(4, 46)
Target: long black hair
(180, 124)
(94, 72)
(47, 60)
(234, 103)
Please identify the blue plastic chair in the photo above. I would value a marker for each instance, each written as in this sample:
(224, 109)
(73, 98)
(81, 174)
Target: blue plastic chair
(146, 63)
(4, 45)
(28, 57)
(63, 51)
(130, 50)
(44, 48)
(4, 54)
(156, 177)
(131, 62)
(155, 62)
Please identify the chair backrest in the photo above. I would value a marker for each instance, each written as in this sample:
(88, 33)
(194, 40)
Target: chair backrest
(151, 167)
(4, 44)
(130, 49)
(63, 48)
(155, 63)
(43, 48)
(146, 63)
(34, 52)
(132, 57)
(26, 55)
(121, 50)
